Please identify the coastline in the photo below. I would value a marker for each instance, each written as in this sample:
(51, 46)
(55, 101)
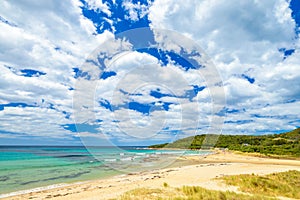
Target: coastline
(188, 170)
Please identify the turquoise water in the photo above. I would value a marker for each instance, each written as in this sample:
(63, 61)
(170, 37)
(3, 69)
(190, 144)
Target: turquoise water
(24, 168)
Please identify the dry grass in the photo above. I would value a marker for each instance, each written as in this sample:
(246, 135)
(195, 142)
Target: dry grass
(285, 184)
(186, 193)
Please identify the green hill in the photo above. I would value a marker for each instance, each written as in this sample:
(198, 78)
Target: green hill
(276, 144)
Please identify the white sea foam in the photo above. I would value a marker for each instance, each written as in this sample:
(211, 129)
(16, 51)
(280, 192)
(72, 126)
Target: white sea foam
(110, 160)
(127, 159)
(141, 154)
(39, 189)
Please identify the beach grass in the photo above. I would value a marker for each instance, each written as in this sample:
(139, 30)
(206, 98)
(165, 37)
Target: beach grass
(284, 184)
(186, 193)
(251, 186)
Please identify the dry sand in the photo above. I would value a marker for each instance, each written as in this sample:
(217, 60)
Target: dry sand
(201, 173)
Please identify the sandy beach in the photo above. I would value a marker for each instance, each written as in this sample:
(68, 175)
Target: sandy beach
(201, 171)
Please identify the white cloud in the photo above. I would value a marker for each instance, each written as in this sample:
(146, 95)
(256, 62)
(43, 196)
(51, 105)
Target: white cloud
(98, 5)
(227, 30)
(136, 11)
(137, 74)
(242, 38)
(31, 121)
(51, 37)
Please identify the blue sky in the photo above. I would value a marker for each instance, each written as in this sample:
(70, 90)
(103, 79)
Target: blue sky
(80, 71)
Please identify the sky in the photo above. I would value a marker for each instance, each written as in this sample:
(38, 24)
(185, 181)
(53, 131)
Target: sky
(109, 72)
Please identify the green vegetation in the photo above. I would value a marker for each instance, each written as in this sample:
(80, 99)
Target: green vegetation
(284, 144)
(159, 145)
(285, 184)
(186, 193)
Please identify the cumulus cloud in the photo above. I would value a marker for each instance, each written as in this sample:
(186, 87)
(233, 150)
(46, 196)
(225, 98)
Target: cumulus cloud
(244, 39)
(52, 75)
(48, 37)
(98, 6)
(226, 30)
(136, 11)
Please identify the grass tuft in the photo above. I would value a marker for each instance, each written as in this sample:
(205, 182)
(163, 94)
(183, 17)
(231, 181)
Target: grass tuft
(186, 193)
(266, 187)
(285, 184)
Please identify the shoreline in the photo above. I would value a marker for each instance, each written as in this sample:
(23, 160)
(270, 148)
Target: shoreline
(61, 185)
(14, 191)
(209, 166)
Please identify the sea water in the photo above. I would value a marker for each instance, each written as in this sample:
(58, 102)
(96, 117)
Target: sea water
(24, 167)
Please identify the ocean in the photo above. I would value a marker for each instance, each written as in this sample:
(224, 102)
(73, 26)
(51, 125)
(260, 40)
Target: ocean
(27, 167)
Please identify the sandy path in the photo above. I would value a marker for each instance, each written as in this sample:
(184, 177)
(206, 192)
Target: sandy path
(200, 174)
